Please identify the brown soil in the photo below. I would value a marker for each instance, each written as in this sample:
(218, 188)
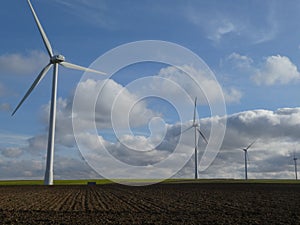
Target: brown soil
(156, 204)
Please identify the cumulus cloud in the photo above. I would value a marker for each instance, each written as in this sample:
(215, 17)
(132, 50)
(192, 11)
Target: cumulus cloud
(207, 90)
(240, 61)
(265, 124)
(277, 133)
(21, 169)
(97, 96)
(36, 145)
(74, 167)
(11, 152)
(120, 151)
(101, 96)
(273, 70)
(28, 161)
(232, 95)
(23, 64)
(276, 70)
(34, 168)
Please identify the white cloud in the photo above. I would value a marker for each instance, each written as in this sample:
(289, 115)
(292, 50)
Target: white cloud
(105, 93)
(7, 139)
(232, 95)
(276, 70)
(73, 167)
(221, 29)
(217, 24)
(21, 169)
(5, 107)
(23, 64)
(139, 142)
(277, 133)
(206, 91)
(215, 27)
(99, 96)
(92, 11)
(282, 123)
(34, 168)
(120, 151)
(240, 61)
(37, 145)
(11, 152)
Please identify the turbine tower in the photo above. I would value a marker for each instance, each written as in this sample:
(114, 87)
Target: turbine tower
(55, 60)
(196, 126)
(246, 158)
(295, 162)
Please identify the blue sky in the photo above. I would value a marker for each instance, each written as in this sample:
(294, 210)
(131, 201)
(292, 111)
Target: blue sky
(253, 48)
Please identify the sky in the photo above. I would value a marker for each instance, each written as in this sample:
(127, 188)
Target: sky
(251, 47)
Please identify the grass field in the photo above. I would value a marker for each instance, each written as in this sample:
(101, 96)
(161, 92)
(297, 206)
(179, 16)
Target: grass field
(106, 181)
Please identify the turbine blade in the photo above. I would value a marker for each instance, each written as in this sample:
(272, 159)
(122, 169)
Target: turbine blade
(35, 83)
(195, 108)
(42, 32)
(202, 135)
(250, 145)
(186, 129)
(76, 67)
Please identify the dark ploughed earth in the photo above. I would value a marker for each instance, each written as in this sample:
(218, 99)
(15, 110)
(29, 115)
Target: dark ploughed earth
(182, 203)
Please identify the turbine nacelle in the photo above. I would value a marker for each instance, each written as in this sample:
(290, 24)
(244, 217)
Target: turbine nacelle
(57, 59)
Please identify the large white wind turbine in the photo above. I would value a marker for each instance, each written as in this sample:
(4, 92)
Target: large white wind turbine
(246, 158)
(196, 126)
(55, 60)
(295, 163)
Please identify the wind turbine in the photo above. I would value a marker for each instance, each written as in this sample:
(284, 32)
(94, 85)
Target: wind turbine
(55, 60)
(246, 158)
(196, 126)
(295, 162)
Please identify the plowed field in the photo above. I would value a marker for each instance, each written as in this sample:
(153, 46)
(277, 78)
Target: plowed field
(188, 203)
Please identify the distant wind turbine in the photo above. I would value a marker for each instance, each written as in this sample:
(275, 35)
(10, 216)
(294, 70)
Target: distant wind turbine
(55, 60)
(295, 162)
(196, 126)
(246, 158)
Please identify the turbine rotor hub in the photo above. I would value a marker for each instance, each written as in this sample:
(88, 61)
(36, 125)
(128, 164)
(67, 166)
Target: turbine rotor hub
(57, 59)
